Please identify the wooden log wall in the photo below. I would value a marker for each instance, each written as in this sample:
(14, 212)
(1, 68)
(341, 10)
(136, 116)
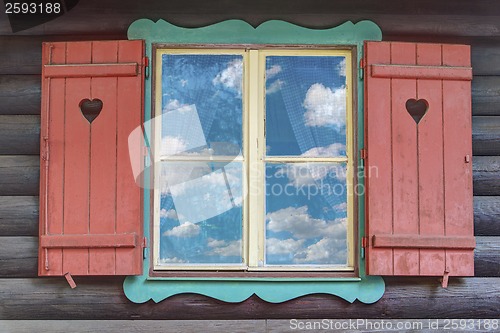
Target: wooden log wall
(25, 296)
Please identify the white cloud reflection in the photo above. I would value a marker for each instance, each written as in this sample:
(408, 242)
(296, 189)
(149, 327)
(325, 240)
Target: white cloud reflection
(324, 106)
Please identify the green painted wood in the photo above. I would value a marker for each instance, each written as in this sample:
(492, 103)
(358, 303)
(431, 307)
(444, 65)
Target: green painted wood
(140, 289)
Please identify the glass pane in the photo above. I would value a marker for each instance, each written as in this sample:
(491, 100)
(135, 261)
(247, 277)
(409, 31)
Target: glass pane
(202, 104)
(306, 106)
(201, 213)
(306, 214)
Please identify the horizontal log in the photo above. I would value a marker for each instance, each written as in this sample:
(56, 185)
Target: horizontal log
(486, 96)
(19, 94)
(485, 58)
(238, 326)
(19, 175)
(19, 256)
(23, 54)
(19, 135)
(486, 175)
(13, 248)
(486, 135)
(140, 326)
(103, 298)
(105, 17)
(487, 216)
(18, 216)
(487, 257)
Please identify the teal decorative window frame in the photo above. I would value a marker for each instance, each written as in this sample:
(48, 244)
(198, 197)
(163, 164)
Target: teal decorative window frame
(367, 289)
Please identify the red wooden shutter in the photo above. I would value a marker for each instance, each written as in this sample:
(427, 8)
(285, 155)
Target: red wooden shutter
(90, 206)
(419, 175)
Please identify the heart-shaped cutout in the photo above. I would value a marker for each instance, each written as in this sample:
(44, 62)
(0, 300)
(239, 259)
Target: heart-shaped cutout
(417, 108)
(90, 108)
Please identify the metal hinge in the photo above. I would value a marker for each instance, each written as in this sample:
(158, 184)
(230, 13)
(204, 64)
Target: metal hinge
(361, 68)
(363, 153)
(146, 67)
(364, 245)
(145, 249)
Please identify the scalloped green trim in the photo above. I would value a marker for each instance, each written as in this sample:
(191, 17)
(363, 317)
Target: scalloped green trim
(366, 289)
(240, 32)
(139, 289)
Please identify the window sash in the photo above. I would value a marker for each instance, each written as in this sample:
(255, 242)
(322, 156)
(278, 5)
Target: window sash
(254, 159)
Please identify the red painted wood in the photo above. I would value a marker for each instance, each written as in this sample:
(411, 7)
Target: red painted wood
(103, 160)
(129, 101)
(77, 160)
(430, 161)
(422, 72)
(431, 197)
(458, 173)
(424, 242)
(94, 224)
(378, 169)
(51, 211)
(404, 161)
(85, 70)
(90, 241)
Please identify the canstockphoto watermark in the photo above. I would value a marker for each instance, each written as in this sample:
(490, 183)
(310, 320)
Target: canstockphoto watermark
(377, 325)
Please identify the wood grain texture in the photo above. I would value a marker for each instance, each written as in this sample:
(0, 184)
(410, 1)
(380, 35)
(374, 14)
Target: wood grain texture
(487, 216)
(137, 326)
(216, 326)
(486, 96)
(486, 175)
(487, 256)
(95, 17)
(103, 298)
(486, 135)
(19, 94)
(18, 215)
(19, 175)
(19, 135)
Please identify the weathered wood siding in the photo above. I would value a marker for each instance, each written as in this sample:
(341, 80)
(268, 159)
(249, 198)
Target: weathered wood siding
(25, 296)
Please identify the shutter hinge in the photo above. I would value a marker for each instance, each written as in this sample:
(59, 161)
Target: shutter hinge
(146, 67)
(364, 245)
(145, 250)
(361, 68)
(363, 153)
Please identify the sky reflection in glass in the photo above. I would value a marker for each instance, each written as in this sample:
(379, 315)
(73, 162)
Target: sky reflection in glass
(305, 106)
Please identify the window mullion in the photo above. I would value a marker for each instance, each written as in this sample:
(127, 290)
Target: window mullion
(256, 145)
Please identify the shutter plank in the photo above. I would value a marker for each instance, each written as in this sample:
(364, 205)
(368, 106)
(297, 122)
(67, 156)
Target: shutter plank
(430, 162)
(458, 173)
(404, 157)
(77, 160)
(129, 104)
(103, 160)
(52, 186)
(379, 170)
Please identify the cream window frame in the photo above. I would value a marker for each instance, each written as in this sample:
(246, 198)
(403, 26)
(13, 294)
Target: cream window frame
(254, 159)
